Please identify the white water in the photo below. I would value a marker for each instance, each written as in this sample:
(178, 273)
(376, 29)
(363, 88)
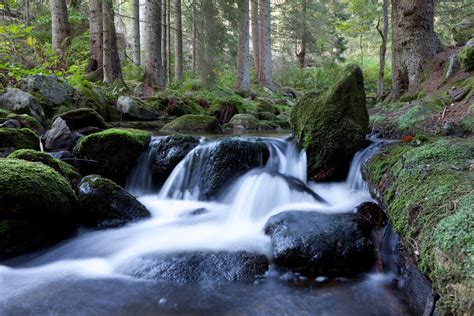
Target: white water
(233, 222)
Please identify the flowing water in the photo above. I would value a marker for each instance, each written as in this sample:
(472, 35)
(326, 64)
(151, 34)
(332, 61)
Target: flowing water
(87, 274)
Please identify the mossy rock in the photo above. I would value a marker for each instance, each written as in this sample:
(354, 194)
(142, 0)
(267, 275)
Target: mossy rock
(428, 191)
(14, 138)
(243, 121)
(266, 105)
(466, 57)
(115, 150)
(463, 30)
(38, 199)
(63, 168)
(28, 121)
(191, 123)
(83, 117)
(332, 126)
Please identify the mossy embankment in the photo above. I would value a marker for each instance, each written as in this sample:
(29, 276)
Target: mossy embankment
(427, 188)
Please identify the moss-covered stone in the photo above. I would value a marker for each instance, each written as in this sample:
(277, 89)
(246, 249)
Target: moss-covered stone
(34, 199)
(27, 121)
(15, 138)
(332, 126)
(428, 191)
(115, 150)
(63, 168)
(466, 57)
(193, 124)
(243, 121)
(83, 117)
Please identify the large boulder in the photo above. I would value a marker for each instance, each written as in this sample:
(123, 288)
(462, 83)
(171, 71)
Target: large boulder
(169, 152)
(200, 267)
(243, 121)
(21, 102)
(115, 150)
(59, 136)
(83, 118)
(192, 123)
(462, 32)
(36, 206)
(134, 109)
(332, 126)
(321, 244)
(17, 138)
(61, 167)
(53, 91)
(466, 56)
(105, 204)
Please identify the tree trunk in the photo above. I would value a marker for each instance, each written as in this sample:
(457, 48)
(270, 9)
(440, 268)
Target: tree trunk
(169, 42)
(302, 53)
(136, 31)
(111, 60)
(27, 12)
(164, 40)
(383, 48)
(206, 42)
(178, 49)
(59, 25)
(265, 77)
(243, 71)
(154, 76)
(413, 42)
(95, 64)
(255, 38)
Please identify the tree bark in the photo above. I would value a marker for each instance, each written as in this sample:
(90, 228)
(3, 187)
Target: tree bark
(164, 40)
(243, 67)
(178, 63)
(265, 77)
(168, 19)
(154, 76)
(302, 53)
(136, 31)
(383, 48)
(59, 25)
(414, 42)
(255, 38)
(27, 12)
(111, 59)
(95, 64)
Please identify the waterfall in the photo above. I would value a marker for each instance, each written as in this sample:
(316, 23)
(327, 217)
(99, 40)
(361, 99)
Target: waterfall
(354, 179)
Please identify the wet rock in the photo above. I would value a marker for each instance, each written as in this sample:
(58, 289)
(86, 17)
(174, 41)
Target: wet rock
(83, 118)
(200, 267)
(105, 204)
(10, 124)
(53, 90)
(169, 152)
(191, 123)
(21, 102)
(59, 136)
(371, 213)
(321, 244)
(134, 109)
(243, 121)
(332, 126)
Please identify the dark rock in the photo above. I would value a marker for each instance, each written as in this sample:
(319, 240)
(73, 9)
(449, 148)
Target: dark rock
(321, 244)
(371, 213)
(83, 118)
(458, 94)
(332, 126)
(59, 136)
(21, 102)
(10, 124)
(88, 130)
(105, 204)
(18, 138)
(169, 152)
(134, 109)
(53, 90)
(27, 121)
(450, 129)
(200, 267)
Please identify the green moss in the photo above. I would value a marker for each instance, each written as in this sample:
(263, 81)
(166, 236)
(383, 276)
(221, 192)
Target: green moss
(136, 136)
(428, 190)
(4, 113)
(18, 138)
(408, 97)
(36, 156)
(467, 123)
(466, 57)
(374, 119)
(27, 121)
(193, 124)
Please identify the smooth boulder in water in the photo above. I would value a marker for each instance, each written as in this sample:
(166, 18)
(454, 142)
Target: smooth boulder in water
(200, 267)
(332, 125)
(105, 204)
(320, 244)
(169, 152)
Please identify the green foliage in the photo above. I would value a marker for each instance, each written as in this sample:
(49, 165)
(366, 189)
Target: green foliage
(466, 57)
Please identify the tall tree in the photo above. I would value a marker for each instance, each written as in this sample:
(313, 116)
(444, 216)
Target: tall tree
(383, 48)
(95, 64)
(413, 42)
(178, 48)
(164, 39)
(136, 31)
(207, 29)
(265, 68)
(302, 53)
(59, 25)
(154, 75)
(111, 59)
(243, 67)
(168, 48)
(255, 37)
(27, 12)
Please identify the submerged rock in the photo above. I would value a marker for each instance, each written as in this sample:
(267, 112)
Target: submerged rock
(36, 206)
(192, 123)
(332, 126)
(200, 267)
(116, 151)
(321, 244)
(134, 109)
(21, 102)
(105, 204)
(169, 152)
